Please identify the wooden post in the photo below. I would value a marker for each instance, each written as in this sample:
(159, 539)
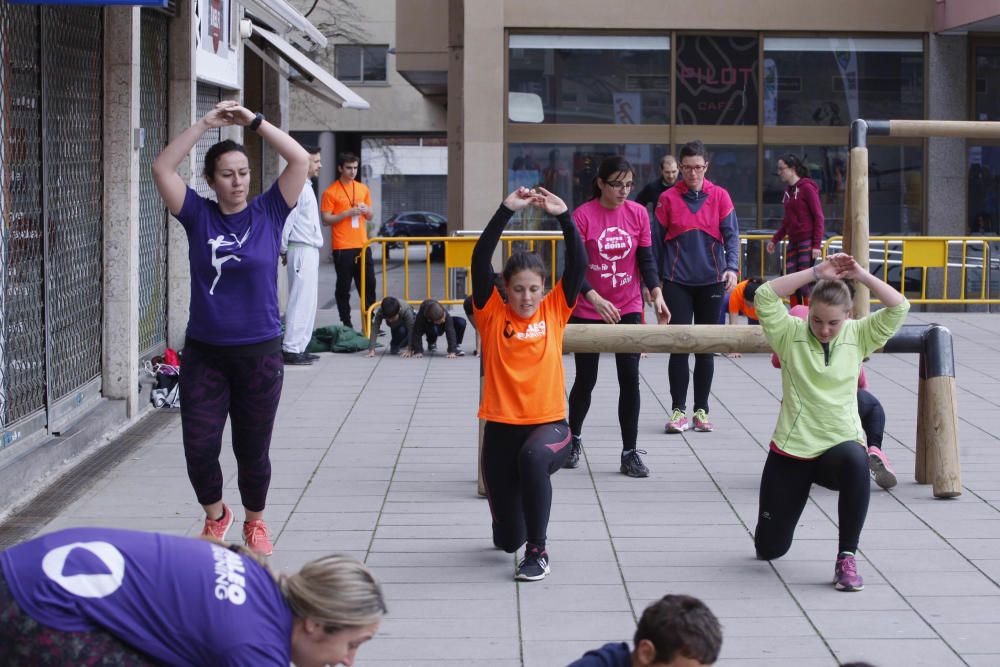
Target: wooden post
(941, 438)
(858, 222)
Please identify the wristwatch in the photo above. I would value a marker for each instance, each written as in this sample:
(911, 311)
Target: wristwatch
(255, 123)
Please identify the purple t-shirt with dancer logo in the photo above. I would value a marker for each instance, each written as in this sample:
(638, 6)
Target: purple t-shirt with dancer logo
(612, 237)
(234, 268)
(180, 600)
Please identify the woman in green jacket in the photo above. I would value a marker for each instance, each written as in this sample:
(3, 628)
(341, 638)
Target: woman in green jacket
(819, 438)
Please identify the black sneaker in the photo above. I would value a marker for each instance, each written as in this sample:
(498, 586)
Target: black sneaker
(295, 359)
(534, 566)
(310, 356)
(632, 464)
(576, 447)
(459, 352)
(431, 348)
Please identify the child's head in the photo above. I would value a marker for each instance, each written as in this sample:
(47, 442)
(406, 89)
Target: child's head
(390, 308)
(677, 631)
(830, 304)
(751, 289)
(435, 312)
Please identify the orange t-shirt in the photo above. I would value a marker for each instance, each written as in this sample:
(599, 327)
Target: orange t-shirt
(738, 303)
(523, 380)
(338, 198)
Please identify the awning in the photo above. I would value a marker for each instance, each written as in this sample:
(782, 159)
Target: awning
(311, 77)
(271, 11)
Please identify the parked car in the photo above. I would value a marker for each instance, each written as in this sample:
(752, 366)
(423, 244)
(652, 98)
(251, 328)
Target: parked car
(415, 223)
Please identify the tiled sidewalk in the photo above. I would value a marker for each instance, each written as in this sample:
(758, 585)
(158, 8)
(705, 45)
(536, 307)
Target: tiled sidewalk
(377, 458)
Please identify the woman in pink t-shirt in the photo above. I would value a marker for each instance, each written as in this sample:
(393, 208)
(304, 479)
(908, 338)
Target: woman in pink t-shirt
(620, 261)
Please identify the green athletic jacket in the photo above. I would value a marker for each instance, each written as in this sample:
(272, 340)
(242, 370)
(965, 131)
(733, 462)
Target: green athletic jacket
(819, 405)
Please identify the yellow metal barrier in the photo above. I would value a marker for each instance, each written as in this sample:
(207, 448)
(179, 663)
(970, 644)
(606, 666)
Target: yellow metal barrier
(457, 256)
(969, 258)
(939, 260)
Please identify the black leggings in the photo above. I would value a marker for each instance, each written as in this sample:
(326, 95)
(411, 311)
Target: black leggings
(246, 389)
(517, 462)
(628, 386)
(784, 490)
(702, 303)
(872, 417)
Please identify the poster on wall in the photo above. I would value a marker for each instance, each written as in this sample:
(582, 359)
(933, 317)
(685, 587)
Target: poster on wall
(216, 55)
(716, 80)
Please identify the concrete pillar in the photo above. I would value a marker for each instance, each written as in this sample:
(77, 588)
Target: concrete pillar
(483, 131)
(183, 107)
(946, 168)
(122, 32)
(327, 175)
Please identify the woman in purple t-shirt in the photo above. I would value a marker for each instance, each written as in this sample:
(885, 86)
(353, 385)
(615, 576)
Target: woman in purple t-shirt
(616, 234)
(232, 365)
(88, 596)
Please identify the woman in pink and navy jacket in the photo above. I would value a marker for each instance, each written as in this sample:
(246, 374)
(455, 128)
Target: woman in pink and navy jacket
(699, 258)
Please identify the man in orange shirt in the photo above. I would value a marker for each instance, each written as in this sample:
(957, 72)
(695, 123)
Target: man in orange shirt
(346, 209)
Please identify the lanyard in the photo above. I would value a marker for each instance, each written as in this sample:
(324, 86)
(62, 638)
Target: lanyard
(350, 197)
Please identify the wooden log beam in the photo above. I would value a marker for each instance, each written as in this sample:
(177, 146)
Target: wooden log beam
(964, 129)
(697, 338)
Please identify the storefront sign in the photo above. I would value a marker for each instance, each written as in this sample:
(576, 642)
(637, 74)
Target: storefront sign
(716, 80)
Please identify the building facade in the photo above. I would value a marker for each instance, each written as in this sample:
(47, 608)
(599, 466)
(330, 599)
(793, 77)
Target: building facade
(539, 93)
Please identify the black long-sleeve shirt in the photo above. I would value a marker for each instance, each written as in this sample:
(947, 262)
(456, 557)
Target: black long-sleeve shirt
(482, 255)
(423, 322)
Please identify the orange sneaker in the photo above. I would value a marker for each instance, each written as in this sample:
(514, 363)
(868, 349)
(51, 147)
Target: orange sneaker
(257, 538)
(217, 528)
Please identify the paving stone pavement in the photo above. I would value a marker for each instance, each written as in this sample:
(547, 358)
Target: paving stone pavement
(377, 458)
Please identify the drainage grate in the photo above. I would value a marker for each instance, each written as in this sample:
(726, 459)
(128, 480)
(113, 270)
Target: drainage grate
(62, 491)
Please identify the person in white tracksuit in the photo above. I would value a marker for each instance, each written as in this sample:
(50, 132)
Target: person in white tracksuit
(301, 240)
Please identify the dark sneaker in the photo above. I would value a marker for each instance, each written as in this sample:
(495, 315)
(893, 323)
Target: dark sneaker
(311, 357)
(295, 359)
(632, 464)
(459, 352)
(431, 348)
(534, 566)
(576, 448)
(845, 574)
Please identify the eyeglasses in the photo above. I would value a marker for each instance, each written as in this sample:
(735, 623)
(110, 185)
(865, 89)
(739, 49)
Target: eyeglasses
(620, 185)
(693, 168)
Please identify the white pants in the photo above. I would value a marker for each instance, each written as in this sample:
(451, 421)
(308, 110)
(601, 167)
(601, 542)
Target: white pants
(300, 313)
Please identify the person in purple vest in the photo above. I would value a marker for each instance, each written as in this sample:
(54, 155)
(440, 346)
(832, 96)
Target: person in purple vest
(232, 364)
(699, 261)
(89, 596)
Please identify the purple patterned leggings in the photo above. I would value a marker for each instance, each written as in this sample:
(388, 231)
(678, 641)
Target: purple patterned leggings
(247, 390)
(26, 642)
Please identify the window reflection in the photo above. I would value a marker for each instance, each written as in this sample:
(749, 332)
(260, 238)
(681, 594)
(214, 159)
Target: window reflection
(984, 190)
(593, 78)
(827, 166)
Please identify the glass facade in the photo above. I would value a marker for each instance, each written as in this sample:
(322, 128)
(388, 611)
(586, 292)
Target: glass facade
(984, 190)
(830, 81)
(593, 79)
(748, 97)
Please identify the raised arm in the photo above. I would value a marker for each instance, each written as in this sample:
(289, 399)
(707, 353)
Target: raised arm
(836, 267)
(482, 254)
(574, 252)
(168, 182)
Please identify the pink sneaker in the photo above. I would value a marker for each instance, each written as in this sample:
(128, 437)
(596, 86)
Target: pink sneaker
(678, 422)
(845, 574)
(217, 528)
(879, 466)
(257, 538)
(701, 422)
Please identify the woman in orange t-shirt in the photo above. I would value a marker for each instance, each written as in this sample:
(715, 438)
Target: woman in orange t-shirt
(526, 438)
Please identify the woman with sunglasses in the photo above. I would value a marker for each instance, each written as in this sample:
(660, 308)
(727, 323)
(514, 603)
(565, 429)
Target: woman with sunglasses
(699, 263)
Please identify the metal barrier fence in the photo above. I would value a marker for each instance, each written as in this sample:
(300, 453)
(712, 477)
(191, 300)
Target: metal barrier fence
(931, 269)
